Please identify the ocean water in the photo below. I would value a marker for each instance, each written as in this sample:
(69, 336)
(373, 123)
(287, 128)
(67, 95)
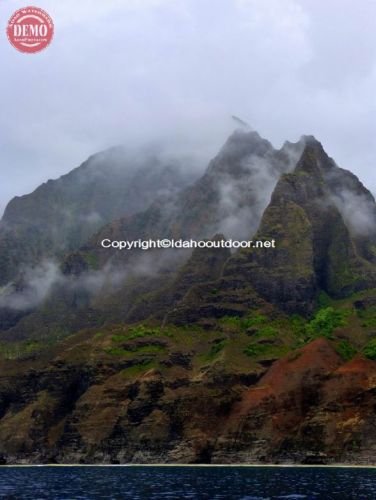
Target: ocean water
(247, 483)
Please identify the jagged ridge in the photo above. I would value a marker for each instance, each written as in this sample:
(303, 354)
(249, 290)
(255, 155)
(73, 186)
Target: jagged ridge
(259, 356)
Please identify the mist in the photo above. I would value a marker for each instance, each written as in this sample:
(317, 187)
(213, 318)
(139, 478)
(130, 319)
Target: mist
(358, 212)
(42, 282)
(243, 201)
(38, 283)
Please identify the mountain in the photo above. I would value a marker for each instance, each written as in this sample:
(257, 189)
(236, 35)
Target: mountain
(257, 355)
(318, 248)
(230, 197)
(62, 214)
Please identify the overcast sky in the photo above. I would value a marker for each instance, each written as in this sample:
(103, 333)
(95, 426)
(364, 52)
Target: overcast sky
(131, 71)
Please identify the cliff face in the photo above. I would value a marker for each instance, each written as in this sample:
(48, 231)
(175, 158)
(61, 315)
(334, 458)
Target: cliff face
(318, 247)
(308, 407)
(260, 355)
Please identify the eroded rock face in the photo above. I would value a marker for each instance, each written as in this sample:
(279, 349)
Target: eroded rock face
(308, 407)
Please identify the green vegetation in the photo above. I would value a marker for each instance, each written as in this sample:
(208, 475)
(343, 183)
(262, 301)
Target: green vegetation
(140, 331)
(19, 350)
(265, 350)
(116, 351)
(267, 332)
(138, 368)
(326, 320)
(323, 300)
(125, 347)
(136, 349)
(368, 317)
(216, 348)
(119, 337)
(345, 350)
(298, 326)
(214, 351)
(370, 349)
(91, 260)
(256, 349)
(243, 322)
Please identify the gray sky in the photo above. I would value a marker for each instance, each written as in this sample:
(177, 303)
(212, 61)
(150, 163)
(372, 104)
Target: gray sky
(138, 70)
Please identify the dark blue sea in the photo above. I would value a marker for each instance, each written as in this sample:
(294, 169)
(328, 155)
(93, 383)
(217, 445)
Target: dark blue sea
(114, 482)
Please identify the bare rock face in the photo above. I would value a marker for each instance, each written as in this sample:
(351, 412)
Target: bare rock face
(308, 407)
(302, 410)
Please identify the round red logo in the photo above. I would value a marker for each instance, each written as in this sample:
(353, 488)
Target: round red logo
(30, 30)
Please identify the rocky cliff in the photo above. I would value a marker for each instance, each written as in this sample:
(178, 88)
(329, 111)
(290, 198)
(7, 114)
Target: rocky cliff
(259, 355)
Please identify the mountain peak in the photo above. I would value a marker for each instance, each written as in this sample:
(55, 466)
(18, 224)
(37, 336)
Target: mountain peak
(309, 162)
(309, 139)
(244, 142)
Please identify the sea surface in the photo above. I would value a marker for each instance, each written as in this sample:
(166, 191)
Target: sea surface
(138, 482)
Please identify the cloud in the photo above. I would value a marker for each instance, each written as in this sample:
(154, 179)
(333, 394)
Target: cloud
(172, 70)
(358, 211)
(38, 283)
(242, 202)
